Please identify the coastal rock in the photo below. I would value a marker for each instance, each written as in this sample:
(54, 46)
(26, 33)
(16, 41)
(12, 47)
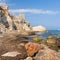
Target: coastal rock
(2, 28)
(52, 41)
(37, 39)
(46, 54)
(39, 28)
(28, 58)
(28, 33)
(32, 48)
(12, 43)
(11, 22)
(11, 54)
(5, 17)
(58, 42)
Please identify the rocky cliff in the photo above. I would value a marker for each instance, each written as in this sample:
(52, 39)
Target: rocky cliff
(9, 22)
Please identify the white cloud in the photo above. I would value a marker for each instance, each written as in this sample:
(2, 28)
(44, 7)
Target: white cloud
(35, 11)
(3, 2)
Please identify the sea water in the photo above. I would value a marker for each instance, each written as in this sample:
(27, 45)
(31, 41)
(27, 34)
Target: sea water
(54, 33)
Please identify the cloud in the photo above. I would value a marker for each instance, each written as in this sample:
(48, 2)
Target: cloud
(34, 11)
(3, 2)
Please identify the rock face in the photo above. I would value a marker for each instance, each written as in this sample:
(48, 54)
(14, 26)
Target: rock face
(32, 48)
(4, 17)
(46, 54)
(10, 22)
(12, 47)
(39, 28)
(41, 52)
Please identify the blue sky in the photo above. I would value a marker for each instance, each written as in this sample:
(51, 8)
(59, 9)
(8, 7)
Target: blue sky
(38, 12)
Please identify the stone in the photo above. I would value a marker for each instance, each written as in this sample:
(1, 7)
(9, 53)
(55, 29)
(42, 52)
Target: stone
(27, 26)
(11, 22)
(5, 16)
(13, 43)
(11, 54)
(20, 23)
(58, 42)
(37, 39)
(49, 37)
(52, 41)
(46, 54)
(28, 33)
(29, 58)
(39, 29)
(2, 28)
(32, 48)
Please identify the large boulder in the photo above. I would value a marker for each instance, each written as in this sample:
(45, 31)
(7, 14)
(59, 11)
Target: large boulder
(32, 48)
(39, 28)
(41, 52)
(47, 54)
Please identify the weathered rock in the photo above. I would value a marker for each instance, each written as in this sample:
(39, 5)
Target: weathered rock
(52, 41)
(39, 28)
(28, 33)
(37, 39)
(46, 54)
(58, 42)
(27, 26)
(29, 58)
(32, 48)
(12, 42)
(5, 17)
(20, 23)
(13, 22)
(11, 54)
(2, 28)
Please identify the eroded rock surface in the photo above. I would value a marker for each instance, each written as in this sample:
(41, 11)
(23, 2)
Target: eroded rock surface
(11, 23)
(41, 52)
(12, 43)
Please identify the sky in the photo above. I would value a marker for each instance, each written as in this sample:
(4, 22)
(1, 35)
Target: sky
(38, 12)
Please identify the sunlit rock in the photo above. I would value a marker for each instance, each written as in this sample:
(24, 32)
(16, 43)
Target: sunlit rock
(39, 28)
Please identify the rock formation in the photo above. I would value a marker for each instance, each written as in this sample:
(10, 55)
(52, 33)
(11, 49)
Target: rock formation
(39, 28)
(10, 22)
(20, 23)
(41, 52)
(5, 18)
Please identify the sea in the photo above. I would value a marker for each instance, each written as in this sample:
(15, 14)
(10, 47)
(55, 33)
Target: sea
(54, 33)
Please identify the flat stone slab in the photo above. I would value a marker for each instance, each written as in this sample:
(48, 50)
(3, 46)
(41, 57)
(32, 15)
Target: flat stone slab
(11, 54)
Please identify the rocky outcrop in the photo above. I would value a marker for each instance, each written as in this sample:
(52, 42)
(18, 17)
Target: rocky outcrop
(5, 18)
(14, 46)
(41, 52)
(11, 22)
(39, 28)
(32, 48)
(20, 23)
